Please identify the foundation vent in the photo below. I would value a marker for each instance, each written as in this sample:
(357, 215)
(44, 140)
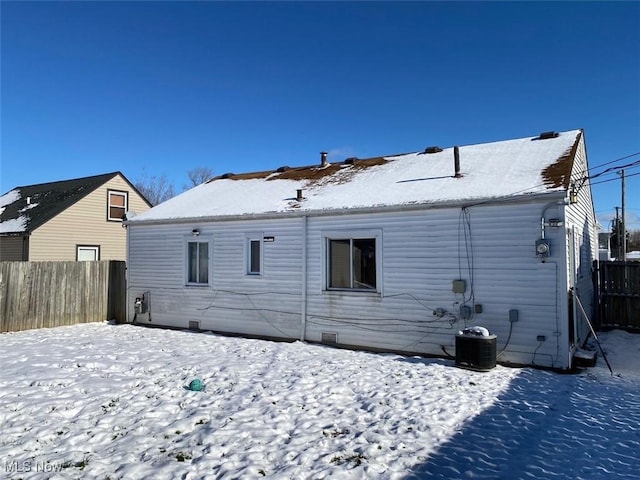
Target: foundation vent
(194, 325)
(330, 338)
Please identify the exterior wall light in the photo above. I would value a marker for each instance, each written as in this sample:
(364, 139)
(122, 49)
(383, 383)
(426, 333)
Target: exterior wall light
(195, 232)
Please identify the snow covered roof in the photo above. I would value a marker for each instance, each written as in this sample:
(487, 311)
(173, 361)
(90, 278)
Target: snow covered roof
(24, 209)
(504, 169)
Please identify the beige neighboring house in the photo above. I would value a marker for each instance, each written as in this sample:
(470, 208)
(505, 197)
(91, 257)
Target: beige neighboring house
(78, 219)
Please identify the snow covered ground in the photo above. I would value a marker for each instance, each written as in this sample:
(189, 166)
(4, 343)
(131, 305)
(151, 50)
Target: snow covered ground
(105, 401)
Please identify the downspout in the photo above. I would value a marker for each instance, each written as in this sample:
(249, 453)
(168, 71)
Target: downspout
(574, 286)
(303, 283)
(126, 274)
(571, 310)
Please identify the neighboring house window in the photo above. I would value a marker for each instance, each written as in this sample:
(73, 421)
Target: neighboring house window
(198, 263)
(117, 205)
(254, 256)
(353, 262)
(87, 252)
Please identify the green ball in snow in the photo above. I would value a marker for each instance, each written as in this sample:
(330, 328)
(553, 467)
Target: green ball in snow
(196, 385)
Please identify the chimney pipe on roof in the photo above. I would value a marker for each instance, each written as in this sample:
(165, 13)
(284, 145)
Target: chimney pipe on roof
(456, 162)
(323, 159)
(434, 149)
(299, 196)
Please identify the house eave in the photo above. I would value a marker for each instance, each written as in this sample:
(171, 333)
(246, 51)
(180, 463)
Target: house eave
(551, 195)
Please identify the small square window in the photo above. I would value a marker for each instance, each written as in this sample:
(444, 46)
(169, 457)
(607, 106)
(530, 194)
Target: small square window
(117, 205)
(87, 253)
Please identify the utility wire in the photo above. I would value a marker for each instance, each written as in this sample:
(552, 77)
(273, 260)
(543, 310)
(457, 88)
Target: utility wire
(614, 179)
(614, 161)
(579, 182)
(614, 169)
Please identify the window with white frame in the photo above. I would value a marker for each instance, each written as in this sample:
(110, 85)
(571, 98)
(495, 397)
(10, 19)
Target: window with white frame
(87, 253)
(117, 205)
(197, 262)
(353, 262)
(254, 255)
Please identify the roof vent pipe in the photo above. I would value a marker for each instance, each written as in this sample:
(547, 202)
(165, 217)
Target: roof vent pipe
(299, 196)
(323, 159)
(547, 135)
(456, 162)
(434, 149)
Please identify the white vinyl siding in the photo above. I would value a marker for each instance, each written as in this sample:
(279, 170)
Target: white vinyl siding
(582, 242)
(420, 253)
(268, 305)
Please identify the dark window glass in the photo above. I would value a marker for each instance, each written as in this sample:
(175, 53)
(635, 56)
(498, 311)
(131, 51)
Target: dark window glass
(198, 262)
(352, 263)
(254, 257)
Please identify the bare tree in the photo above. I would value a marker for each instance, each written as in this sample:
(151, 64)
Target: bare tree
(155, 188)
(198, 175)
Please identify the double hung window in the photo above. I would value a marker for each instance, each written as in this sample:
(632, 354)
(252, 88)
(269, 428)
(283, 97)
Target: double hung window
(116, 205)
(198, 263)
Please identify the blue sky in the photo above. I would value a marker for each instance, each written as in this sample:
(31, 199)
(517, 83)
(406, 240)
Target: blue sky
(163, 87)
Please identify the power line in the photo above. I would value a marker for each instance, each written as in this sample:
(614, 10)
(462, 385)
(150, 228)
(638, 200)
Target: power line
(581, 181)
(614, 169)
(613, 179)
(616, 160)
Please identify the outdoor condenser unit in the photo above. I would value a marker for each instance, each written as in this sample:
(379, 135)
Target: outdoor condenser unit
(476, 352)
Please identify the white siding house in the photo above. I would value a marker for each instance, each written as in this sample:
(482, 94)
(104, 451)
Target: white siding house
(394, 253)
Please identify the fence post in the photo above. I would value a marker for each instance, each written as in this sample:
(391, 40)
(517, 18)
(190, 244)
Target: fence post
(117, 291)
(595, 276)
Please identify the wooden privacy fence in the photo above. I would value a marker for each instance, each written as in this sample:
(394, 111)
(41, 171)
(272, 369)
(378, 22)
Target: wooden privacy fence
(619, 294)
(51, 294)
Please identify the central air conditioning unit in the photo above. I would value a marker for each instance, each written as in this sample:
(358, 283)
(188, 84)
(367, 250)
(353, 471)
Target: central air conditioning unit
(476, 349)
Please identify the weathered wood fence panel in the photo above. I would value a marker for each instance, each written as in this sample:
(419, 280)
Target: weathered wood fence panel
(619, 292)
(51, 294)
